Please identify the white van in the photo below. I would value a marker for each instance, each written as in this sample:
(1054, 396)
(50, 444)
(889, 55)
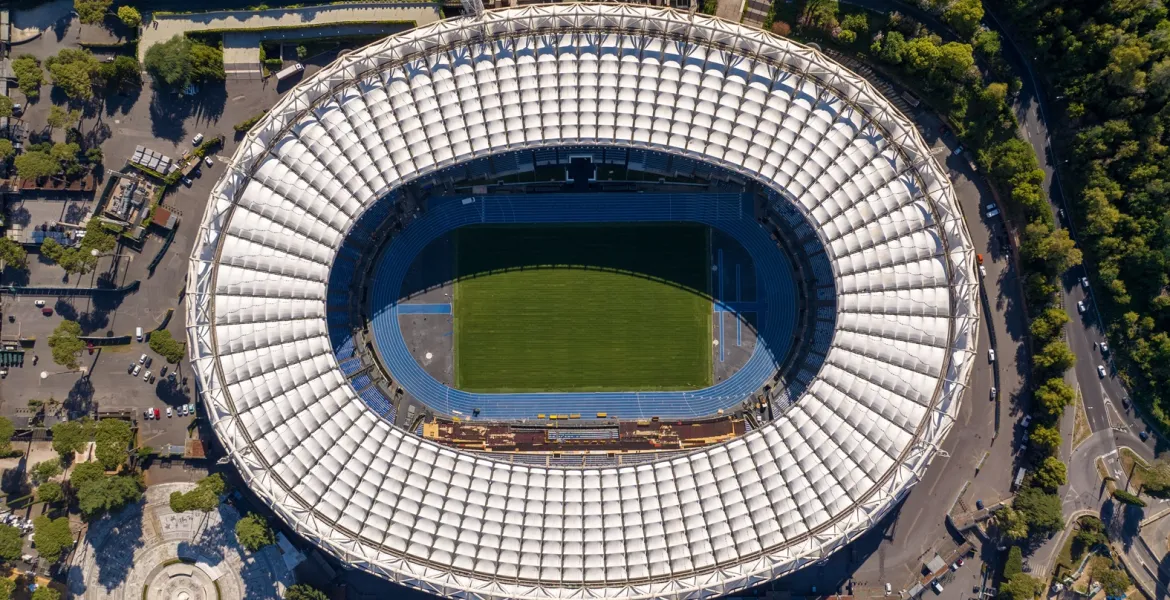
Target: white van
(138, 334)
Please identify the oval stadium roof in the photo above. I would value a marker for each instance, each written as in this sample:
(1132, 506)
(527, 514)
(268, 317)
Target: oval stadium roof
(719, 519)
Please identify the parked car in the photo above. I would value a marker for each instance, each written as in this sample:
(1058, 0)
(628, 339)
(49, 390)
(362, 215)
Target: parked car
(151, 379)
(170, 413)
(187, 182)
(191, 408)
(46, 311)
(1081, 306)
(1104, 348)
(1101, 371)
(146, 376)
(991, 355)
(157, 414)
(39, 303)
(163, 372)
(1085, 282)
(1145, 436)
(978, 505)
(149, 360)
(982, 271)
(1026, 422)
(207, 160)
(147, 414)
(142, 359)
(136, 370)
(130, 369)
(994, 392)
(197, 140)
(182, 410)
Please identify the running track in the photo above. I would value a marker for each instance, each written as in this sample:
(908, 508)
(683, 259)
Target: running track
(776, 293)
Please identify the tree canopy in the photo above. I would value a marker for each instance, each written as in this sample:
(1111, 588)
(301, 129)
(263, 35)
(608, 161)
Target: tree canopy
(92, 12)
(98, 493)
(204, 498)
(253, 532)
(7, 430)
(1040, 510)
(62, 118)
(45, 592)
(70, 437)
(72, 70)
(303, 591)
(11, 253)
(1113, 580)
(45, 470)
(129, 16)
(52, 537)
(35, 165)
(66, 345)
(6, 106)
(1050, 475)
(122, 75)
(50, 492)
(180, 61)
(112, 439)
(29, 75)
(11, 543)
(164, 343)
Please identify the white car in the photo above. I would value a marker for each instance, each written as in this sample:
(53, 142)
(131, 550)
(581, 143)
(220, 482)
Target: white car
(1085, 282)
(137, 369)
(1081, 306)
(1101, 371)
(1026, 422)
(170, 413)
(39, 303)
(991, 355)
(208, 161)
(198, 139)
(993, 392)
(142, 359)
(1104, 348)
(146, 376)
(182, 410)
(147, 414)
(982, 271)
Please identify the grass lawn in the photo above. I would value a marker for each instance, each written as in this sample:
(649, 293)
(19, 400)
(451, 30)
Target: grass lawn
(614, 307)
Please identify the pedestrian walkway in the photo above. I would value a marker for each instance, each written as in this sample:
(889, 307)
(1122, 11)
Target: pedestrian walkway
(314, 19)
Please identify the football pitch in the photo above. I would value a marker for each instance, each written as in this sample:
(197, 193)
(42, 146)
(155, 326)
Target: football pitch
(578, 308)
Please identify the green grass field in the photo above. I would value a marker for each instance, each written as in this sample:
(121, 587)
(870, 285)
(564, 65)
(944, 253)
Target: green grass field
(572, 308)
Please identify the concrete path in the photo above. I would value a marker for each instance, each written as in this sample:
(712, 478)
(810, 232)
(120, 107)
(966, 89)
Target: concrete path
(163, 28)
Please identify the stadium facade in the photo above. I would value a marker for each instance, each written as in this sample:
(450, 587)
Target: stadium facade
(716, 520)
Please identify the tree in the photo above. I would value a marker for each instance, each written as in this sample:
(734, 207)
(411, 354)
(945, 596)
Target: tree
(11, 253)
(70, 437)
(66, 345)
(819, 13)
(36, 165)
(84, 473)
(50, 492)
(29, 76)
(1054, 357)
(169, 63)
(1113, 580)
(1014, 565)
(92, 12)
(1048, 324)
(7, 430)
(856, 22)
(204, 498)
(72, 71)
(1020, 587)
(253, 532)
(52, 537)
(107, 494)
(44, 471)
(1011, 523)
(7, 587)
(122, 75)
(206, 63)
(1090, 533)
(129, 16)
(1041, 511)
(1053, 396)
(112, 439)
(1046, 439)
(45, 592)
(1050, 475)
(6, 106)
(164, 343)
(7, 150)
(302, 591)
(964, 16)
(11, 543)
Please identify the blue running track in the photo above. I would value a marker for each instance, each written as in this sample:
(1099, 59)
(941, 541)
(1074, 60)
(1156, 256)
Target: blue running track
(730, 213)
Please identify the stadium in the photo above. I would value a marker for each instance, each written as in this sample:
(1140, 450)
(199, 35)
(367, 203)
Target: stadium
(582, 300)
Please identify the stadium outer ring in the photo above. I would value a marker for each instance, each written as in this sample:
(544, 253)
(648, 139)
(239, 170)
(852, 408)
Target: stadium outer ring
(249, 436)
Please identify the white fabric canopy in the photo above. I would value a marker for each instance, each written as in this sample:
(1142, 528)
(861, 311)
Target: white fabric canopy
(718, 519)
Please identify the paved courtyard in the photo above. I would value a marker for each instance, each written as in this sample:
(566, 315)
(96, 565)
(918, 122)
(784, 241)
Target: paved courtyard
(149, 551)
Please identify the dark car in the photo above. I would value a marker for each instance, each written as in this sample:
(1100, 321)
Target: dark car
(979, 505)
(130, 369)
(148, 361)
(163, 372)
(1145, 436)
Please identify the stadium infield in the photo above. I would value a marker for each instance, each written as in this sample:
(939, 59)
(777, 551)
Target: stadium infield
(579, 308)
